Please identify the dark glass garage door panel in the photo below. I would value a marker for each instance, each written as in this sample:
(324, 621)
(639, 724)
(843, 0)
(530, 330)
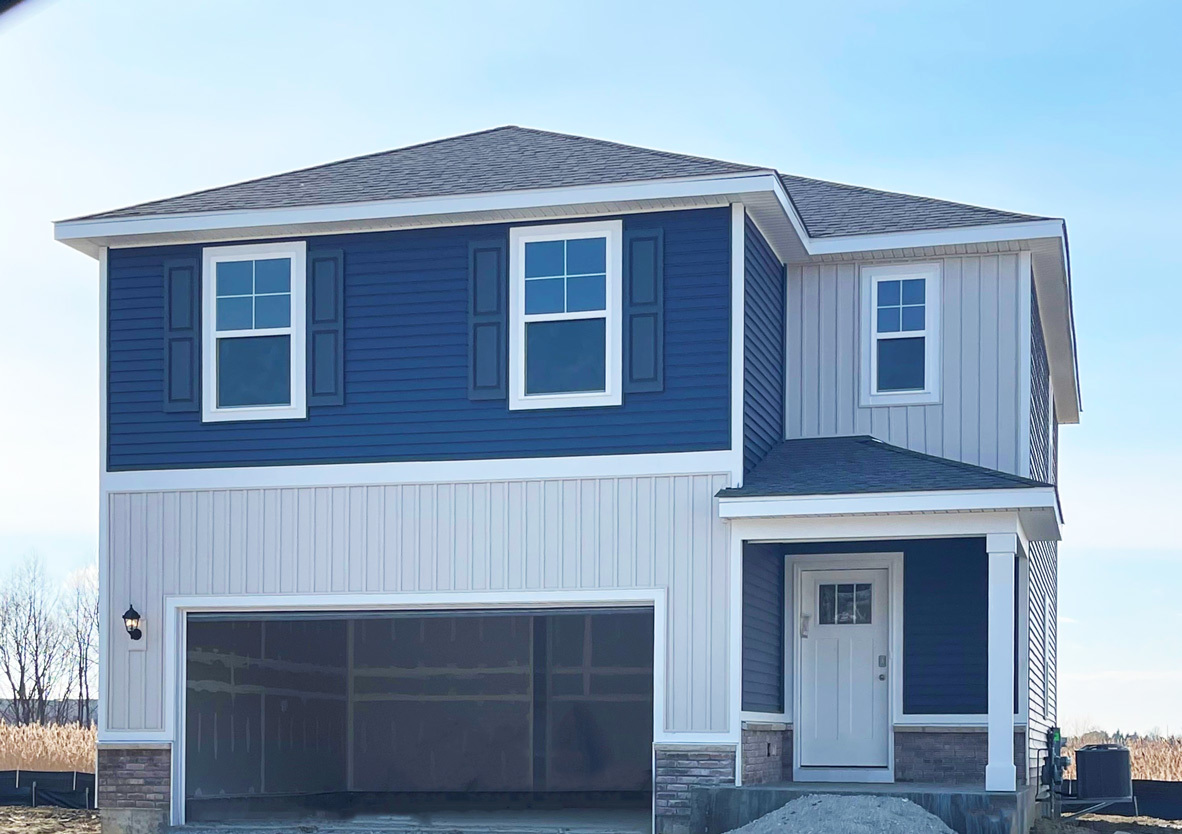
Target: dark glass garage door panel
(442, 704)
(599, 710)
(266, 707)
(519, 703)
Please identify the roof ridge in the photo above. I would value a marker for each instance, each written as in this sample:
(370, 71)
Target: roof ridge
(949, 462)
(669, 154)
(939, 200)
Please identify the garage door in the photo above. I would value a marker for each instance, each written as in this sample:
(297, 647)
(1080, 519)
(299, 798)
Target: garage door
(291, 714)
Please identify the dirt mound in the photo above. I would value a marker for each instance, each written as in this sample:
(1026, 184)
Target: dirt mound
(828, 814)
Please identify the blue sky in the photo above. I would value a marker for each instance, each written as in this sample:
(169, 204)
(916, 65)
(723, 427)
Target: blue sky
(1070, 110)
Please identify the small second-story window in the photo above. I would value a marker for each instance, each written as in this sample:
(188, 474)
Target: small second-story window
(900, 355)
(565, 304)
(253, 317)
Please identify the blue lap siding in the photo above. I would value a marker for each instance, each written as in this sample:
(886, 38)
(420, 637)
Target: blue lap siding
(406, 375)
(763, 332)
(945, 621)
(763, 628)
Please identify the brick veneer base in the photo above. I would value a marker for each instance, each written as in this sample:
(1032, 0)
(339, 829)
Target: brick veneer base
(133, 789)
(679, 769)
(767, 753)
(949, 756)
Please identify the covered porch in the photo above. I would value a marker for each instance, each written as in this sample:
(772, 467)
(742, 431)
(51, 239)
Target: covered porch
(885, 627)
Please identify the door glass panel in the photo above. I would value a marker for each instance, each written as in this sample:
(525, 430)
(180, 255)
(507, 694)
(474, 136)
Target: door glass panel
(844, 604)
(827, 609)
(862, 603)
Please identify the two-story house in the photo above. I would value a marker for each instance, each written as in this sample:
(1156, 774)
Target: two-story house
(520, 469)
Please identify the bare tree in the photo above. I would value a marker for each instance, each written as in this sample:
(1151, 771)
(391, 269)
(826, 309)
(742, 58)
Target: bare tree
(81, 615)
(33, 643)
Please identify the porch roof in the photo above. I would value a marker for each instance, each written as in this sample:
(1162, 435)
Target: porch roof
(862, 464)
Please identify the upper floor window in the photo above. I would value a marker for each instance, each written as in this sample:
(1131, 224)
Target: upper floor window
(564, 302)
(901, 334)
(253, 332)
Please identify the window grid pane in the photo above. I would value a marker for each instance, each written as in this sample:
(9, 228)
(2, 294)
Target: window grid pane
(253, 295)
(577, 266)
(901, 306)
(844, 604)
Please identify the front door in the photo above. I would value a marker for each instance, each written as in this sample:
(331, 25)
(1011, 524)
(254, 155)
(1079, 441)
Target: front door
(845, 670)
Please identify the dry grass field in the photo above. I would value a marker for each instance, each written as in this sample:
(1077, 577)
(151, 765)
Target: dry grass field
(1156, 758)
(47, 748)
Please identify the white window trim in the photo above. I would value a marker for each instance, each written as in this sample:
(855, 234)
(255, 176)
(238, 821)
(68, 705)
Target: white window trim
(613, 230)
(871, 276)
(210, 257)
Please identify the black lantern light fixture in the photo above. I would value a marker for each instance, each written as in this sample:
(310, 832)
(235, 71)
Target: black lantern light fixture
(131, 620)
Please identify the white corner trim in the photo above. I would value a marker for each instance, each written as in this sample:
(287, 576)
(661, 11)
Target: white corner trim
(296, 331)
(889, 502)
(738, 338)
(421, 472)
(873, 274)
(104, 514)
(612, 231)
(735, 638)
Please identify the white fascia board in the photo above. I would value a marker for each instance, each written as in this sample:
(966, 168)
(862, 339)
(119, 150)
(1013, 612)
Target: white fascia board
(933, 501)
(417, 472)
(993, 233)
(83, 230)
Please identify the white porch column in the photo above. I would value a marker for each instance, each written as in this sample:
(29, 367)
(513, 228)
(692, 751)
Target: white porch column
(1000, 772)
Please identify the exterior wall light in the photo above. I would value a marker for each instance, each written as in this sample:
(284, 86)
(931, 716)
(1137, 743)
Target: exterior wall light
(131, 620)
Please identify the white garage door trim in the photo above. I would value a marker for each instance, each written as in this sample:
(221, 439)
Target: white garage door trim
(177, 609)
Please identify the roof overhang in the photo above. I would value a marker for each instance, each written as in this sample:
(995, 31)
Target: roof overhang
(761, 192)
(1037, 507)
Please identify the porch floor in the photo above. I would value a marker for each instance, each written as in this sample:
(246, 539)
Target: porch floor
(966, 809)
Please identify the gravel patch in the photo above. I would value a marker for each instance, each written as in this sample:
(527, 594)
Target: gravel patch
(830, 814)
(15, 820)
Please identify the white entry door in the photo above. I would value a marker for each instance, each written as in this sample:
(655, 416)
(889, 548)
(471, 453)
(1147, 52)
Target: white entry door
(844, 669)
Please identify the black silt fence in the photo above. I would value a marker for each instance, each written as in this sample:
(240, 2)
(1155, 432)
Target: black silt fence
(33, 788)
(1161, 800)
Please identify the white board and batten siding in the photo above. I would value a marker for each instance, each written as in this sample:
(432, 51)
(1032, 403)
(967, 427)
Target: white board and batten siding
(527, 535)
(980, 412)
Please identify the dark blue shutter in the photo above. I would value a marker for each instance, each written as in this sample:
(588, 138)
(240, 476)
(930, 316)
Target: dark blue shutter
(182, 340)
(488, 320)
(326, 327)
(644, 316)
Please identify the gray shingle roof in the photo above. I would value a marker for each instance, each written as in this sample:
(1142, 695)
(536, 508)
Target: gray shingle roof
(829, 209)
(516, 158)
(862, 464)
(502, 159)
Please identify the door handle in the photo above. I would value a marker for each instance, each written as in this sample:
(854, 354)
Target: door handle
(804, 625)
(882, 662)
